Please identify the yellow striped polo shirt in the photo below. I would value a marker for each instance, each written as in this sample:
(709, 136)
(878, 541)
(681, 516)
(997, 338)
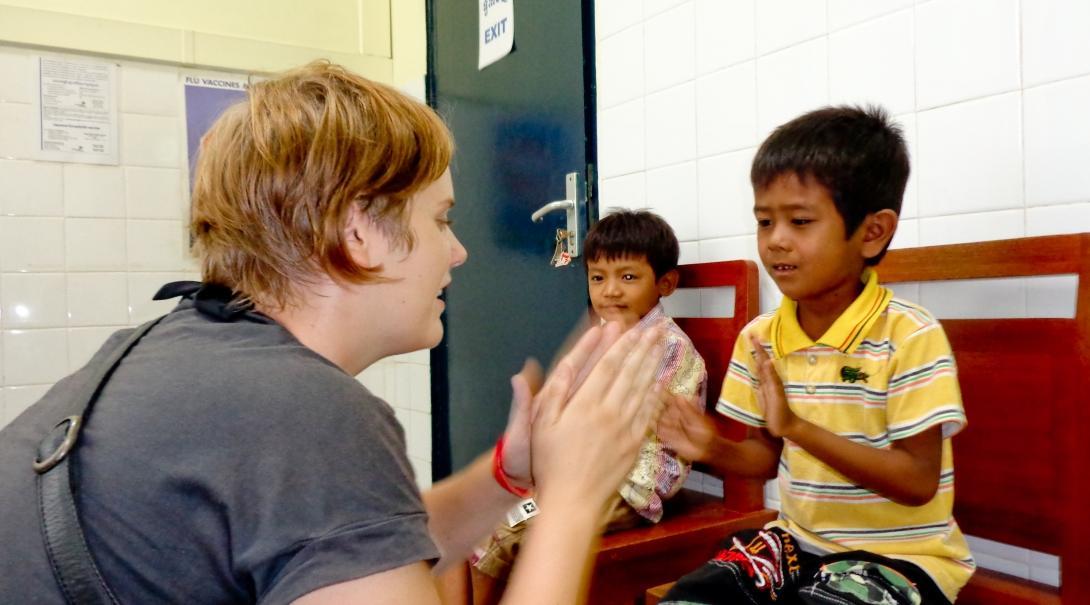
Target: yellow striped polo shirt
(883, 371)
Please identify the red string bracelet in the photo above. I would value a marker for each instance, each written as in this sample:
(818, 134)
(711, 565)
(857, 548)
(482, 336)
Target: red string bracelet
(501, 475)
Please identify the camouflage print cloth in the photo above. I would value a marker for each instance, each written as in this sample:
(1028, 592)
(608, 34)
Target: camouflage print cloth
(860, 583)
(767, 567)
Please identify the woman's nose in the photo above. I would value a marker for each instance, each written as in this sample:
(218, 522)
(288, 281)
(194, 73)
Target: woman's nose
(458, 252)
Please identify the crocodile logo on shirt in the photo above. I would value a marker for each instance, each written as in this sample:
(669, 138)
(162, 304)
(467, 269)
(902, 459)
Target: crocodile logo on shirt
(853, 375)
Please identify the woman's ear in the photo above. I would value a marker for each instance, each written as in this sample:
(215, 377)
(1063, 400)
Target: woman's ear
(878, 230)
(358, 233)
(667, 283)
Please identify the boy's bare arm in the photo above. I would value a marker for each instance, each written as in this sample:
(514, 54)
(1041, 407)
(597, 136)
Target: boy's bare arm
(907, 472)
(693, 435)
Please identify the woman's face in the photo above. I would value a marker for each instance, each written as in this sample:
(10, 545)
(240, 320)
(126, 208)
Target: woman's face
(418, 276)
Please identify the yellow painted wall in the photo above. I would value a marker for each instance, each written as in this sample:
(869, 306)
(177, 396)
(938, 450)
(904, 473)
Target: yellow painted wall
(382, 39)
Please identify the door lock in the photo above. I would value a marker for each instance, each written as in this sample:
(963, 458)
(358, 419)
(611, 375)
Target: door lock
(571, 206)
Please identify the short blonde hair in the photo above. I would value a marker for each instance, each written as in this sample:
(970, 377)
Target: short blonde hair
(278, 174)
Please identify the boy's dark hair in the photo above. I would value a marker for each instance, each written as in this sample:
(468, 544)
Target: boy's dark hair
(627, 233)
(858, 154)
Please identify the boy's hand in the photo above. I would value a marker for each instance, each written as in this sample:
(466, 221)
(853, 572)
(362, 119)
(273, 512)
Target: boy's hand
(685, 429)
(779, 419)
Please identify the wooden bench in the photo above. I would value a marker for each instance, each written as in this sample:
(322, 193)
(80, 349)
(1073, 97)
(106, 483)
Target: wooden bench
(1023, 462)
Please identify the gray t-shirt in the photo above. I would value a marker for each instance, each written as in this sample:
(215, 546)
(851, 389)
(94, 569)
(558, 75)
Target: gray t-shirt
(224, 462)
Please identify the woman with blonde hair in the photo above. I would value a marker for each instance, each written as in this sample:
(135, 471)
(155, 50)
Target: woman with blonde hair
(231, 456)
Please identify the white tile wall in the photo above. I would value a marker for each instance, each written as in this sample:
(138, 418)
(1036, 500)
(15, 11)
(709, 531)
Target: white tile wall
(843, 13)
(966, 49)
(151, 141)
(83, 342)
(155, 193)
(97, 191)
(31, 244)
(611, 16)
(621, 139)
(791, 81)
(83, 248)
(98, 299)
(18, 398)
(725, 33)
(970, 156)
(628, 191)
(670, 125)
(717, 130)
(149, 90)
(689, 253)
(1051, 296)
(873, 63)
(684, 302)
(669, 47)
(1053, 220)
(97, 244)
(1055, 45)
(671, 192)
(783, 23)
(1057, 139)
(625, 83)
(31, 189)
(961, 228)
(405, 381)
(654, 7)
(16, 135)
(725, 177)
(908, 234)
(15, 69)
(991, 95)
(910, 203)
(30, 300)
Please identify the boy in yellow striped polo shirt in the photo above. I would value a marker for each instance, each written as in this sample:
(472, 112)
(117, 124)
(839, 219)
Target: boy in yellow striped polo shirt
(851, 395)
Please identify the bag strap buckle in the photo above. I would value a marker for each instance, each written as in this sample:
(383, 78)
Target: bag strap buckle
(71, 434)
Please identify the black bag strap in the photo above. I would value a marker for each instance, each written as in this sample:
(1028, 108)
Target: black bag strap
(73, 566)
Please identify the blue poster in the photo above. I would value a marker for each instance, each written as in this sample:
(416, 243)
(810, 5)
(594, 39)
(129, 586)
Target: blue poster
(205, 99)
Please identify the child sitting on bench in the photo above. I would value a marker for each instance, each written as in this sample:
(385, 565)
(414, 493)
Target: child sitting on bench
(852, 395)
(632, 261)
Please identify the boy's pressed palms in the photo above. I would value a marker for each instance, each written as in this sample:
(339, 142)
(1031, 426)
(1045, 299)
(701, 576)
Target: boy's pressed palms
(779, 419)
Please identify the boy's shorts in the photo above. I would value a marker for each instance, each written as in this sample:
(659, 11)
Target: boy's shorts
(768, 567)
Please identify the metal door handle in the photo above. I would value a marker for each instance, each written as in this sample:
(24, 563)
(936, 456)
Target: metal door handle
(551, 206)
(571, 206)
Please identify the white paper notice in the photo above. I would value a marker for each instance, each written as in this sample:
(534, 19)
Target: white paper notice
(77, 111)
(497, 35)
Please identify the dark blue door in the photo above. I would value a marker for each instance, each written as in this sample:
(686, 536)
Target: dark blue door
(520, 126)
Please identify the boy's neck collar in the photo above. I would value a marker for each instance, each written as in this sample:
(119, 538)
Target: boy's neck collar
(653, 316)
(845, 334)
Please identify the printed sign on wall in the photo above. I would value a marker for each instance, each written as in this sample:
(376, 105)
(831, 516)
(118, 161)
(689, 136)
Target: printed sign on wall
(206, 96)
(497, 31)
(76, 110)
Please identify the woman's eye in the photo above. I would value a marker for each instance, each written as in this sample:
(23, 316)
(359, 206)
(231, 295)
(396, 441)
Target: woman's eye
(801, 221)
(763, 222)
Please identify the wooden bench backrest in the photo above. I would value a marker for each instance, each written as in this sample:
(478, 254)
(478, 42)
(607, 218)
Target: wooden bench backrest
(1022, 463)
(713, 338)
